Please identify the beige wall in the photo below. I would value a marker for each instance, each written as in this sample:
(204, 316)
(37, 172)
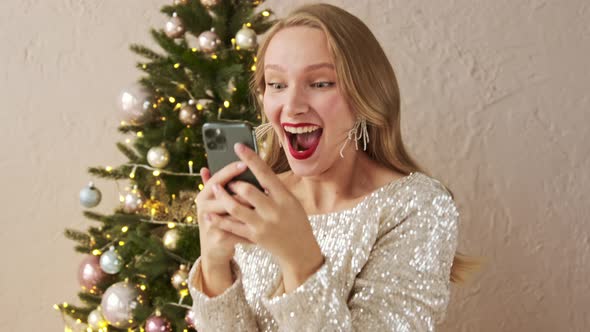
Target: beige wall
(496, 103)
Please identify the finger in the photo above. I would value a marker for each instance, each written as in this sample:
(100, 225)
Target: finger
(205, 174)
(261, 170)
(211, 206)
(233, 207)
(232, 226)
(228, 172)
(250, 195)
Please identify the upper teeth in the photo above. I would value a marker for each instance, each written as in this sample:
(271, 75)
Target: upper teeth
(301, 130)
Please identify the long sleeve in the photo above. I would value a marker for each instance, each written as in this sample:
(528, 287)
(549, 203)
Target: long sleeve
(228, 311)
(403, 286)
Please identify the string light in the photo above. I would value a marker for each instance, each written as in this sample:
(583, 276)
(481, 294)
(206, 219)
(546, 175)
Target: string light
(124, 229)
(266, 13)
(176, 65)
(190, 166)
(248, 24)
(214, 56)
(226, 104)
(140, 134)
(108, 169)
(253, 68)
(171, 100)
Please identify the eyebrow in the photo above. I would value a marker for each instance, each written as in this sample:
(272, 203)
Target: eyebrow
(306, 69)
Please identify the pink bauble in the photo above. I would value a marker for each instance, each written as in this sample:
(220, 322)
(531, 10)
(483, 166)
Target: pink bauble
(90, 274)
(190, 318)
(157, 324)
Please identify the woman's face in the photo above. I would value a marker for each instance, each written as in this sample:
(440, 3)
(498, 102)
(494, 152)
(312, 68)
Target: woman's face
(302, 102)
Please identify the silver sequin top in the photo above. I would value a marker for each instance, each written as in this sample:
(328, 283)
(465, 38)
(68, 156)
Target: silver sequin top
(387, 268)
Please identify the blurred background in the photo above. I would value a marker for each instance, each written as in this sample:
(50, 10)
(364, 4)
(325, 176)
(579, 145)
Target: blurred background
(495, 104)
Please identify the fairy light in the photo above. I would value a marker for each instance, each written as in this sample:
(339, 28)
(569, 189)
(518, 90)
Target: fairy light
(226, 104)
(140, 134)
(177, 106)
(189, 219)
(266, 13)
(214, 56)
(123, 123)
(158, 183)
(156, 173)
(171, 225)
(255, 59)
(176, 65)
(253, 68)
(201, 186)
(124, 229)
(121, 243)
(199, 107)
(248, 24)
(194, 49)
(127, 140)
(108, 169)
(144, 66)
(96, 252)
(190, 166)
(186, 137)
(154, 105)
(171, 100)
(142, 287)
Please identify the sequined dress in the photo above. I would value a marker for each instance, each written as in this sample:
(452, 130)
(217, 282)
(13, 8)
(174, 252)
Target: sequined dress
(387, 268)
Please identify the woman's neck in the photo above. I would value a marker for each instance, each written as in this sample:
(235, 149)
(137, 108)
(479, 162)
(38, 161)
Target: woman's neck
(338, 187)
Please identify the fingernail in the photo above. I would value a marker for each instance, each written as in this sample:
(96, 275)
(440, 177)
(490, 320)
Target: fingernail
(239, 147)
(241, 165)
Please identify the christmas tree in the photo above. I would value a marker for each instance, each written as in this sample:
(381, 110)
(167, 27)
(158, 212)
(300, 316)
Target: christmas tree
(134, 272)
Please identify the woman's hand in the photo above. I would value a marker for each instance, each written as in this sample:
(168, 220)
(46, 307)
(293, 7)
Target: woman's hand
(275, 220)
(217, 245)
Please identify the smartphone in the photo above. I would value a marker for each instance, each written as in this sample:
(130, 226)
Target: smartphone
(219, 139)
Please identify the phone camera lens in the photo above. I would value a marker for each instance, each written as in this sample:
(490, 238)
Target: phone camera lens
(220, 139)
(212, 145)
(210, 133)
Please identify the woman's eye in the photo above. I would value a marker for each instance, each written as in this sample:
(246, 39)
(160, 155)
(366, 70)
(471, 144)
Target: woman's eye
(322, 84)
(275, 85)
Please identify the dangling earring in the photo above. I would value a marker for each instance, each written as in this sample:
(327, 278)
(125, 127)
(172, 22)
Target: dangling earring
(360, 124)
(263, 130)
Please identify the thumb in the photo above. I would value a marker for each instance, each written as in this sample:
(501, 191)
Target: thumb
(205, 174)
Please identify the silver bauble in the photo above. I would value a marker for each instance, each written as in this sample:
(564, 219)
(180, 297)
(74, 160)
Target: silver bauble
(96, 320)
(210, 3)
(170, 239)
(208, 41)
(119, 302)
(246, 38)
(133, 201)
(111, 261)
(188, 115)
(174, 28)
(158, 157)
(135, 104)
(90, 196)
(180, 277)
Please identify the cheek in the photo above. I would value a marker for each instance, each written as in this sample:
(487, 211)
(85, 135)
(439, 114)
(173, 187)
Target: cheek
(335, 107)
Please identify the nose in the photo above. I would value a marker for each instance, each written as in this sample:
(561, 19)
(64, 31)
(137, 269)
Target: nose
(296, 101)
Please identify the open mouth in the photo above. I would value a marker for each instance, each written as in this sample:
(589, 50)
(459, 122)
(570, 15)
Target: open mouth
(303, 139)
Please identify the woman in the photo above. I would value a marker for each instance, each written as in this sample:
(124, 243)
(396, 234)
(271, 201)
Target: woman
(349, 234)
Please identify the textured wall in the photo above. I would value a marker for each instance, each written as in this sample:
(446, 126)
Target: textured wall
(495, 101)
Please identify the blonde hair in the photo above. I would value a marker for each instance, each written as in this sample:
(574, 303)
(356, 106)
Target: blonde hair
(366, 79)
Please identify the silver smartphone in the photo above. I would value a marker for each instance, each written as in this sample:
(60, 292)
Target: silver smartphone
(219, 139)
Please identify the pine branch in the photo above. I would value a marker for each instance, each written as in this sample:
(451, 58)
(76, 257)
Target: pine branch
(103, 173)
(166, 42)
(145, 52)
(128, 152)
